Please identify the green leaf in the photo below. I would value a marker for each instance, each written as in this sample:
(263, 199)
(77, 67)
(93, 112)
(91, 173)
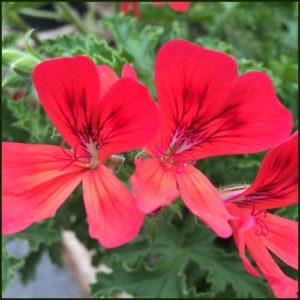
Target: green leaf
(97, 50)
(160, 271)
(38, 234)
(10, 264)
(290, 212)
(215, 44)
(11, 55)
(139, 41)
(151, 229)
(29, 48)
(28, 269)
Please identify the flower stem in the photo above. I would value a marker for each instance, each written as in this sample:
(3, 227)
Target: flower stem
(70, 15)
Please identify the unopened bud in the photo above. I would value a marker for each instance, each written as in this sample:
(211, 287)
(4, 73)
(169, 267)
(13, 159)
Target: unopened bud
(11, 55)
(25, 64)
(231, 193)
(143, 155)
(114, 163)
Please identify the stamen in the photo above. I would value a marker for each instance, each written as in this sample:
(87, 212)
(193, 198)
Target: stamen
(264, 229)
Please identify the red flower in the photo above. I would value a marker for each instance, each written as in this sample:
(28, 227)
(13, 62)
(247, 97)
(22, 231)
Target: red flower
(207, 111)
(179, 6)
(125, 7)
(276, 185)
(96, 118)
(17, 95)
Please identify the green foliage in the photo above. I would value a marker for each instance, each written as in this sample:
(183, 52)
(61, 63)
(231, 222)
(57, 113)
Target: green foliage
(139, 41)
(160, 271)
(10, 265)
(28, 270)
(96, 49)
(43, 233)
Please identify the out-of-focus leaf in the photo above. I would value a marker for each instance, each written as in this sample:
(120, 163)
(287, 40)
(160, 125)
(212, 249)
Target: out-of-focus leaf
(10, 265)
(38, 234)
(28, 270)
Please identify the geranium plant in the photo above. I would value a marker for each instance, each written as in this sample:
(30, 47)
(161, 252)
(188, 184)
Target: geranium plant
(142, 134)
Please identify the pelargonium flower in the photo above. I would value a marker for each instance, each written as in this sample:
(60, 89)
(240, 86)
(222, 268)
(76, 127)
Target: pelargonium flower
(125, 7)
(276, 185)
(178, 6)
(207, 110)
(97, 115)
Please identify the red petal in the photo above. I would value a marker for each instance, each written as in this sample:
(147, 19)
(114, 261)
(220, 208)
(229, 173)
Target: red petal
(124, 7)
(201, 197)
(282, 285)
(107, 78)
(35, 184)
(276, 182)
(179, 6)
(128, 72)
(282, 238)
(241, 225)
(69, 90)
(154, 184)
(136, 10)
(26, 166)
(212, 111)
(111, 209)
(129, 118)
(247, 123)
(192, 84)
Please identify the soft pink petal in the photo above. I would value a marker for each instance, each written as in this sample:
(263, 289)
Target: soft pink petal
(107, 78)
(282, 238)
(282, 285)
(276, 183)
(154, 184)
(201, 197)
(243, 222)
(129, 72)
(111, 209)
(35, 184)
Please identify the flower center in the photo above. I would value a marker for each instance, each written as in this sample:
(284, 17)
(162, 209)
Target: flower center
(262, 227)
(92, 152)
(88, 158)
(180, 142)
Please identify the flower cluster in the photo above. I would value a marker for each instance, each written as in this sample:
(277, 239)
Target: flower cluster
(125, 7)
(204, 109)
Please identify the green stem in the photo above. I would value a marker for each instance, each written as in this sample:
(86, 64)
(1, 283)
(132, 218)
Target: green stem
(91, 16)
(38, 13)
(23, 27)
(70, 15)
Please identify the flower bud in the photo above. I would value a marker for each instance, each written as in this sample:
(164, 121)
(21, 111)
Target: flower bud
(114, 163)
(25, 64)
(11, 55)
